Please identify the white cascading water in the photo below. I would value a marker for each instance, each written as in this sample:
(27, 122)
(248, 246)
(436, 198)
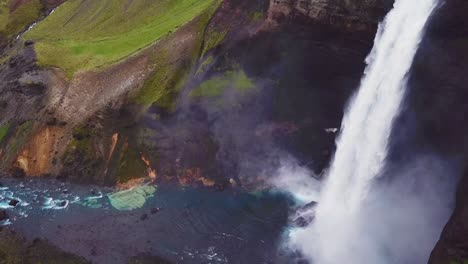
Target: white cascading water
(362, 145)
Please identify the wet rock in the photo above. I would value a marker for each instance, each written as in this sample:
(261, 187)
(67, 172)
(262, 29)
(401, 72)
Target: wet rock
(303, 221)
(155, 210)
(30, 89)
(308, 206)
(3, 215)
(62, 204)
(18, 173)
(12, 63)
(144, 217)
(304, 215)
(52, 121)
(28, 43)
(62, 123)
(13, 202)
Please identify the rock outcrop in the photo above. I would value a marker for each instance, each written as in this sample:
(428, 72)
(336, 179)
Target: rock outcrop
(346, 15)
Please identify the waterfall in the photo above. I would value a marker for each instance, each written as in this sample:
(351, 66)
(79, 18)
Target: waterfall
(363, 142)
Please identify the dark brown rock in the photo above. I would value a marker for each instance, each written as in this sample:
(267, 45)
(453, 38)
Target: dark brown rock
(358, 15)
(3, 215)
(14, 202)
(144, 217)
(28, 43)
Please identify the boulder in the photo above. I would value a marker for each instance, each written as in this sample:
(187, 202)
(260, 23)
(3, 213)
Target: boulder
(14, 202)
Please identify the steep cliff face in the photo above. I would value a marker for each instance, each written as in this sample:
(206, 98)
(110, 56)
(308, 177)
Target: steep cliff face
(343, 14)
(213, 96)
(440, 100)
(154, 104)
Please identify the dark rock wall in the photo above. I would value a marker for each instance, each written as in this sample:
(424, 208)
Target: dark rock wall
(439, 102)
(359, 15)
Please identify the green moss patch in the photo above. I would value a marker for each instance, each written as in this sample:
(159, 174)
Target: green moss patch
(204, 65)
(212, 39)
(4, 14)
(258, 16)
(88, 34)
(80, 146)
(3, 131)
(16, 141)
(81, 160)
(215, 86)
(131, 166)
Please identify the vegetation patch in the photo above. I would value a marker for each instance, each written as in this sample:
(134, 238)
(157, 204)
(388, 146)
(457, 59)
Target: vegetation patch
(164, 83)
(169, 77)
(13, 23)
(16, 142)
(212, 39)
(216, 86)
(4, 14)
(131, 166)
(81, 153)
(79, 145)
(3, 131)
(258, 16)
(88, 34)
(205, 65)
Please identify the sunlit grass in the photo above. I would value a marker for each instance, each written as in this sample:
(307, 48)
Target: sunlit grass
(89, 34)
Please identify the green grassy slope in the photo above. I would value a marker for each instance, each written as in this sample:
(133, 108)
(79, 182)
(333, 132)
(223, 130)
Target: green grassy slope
(84, 34)
(11, 23)
(4, 14)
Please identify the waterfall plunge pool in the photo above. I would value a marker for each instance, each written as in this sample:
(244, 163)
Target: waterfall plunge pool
(184, 225)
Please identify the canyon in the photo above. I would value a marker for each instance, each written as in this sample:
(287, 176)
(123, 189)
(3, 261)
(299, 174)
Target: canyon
(216, 94)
